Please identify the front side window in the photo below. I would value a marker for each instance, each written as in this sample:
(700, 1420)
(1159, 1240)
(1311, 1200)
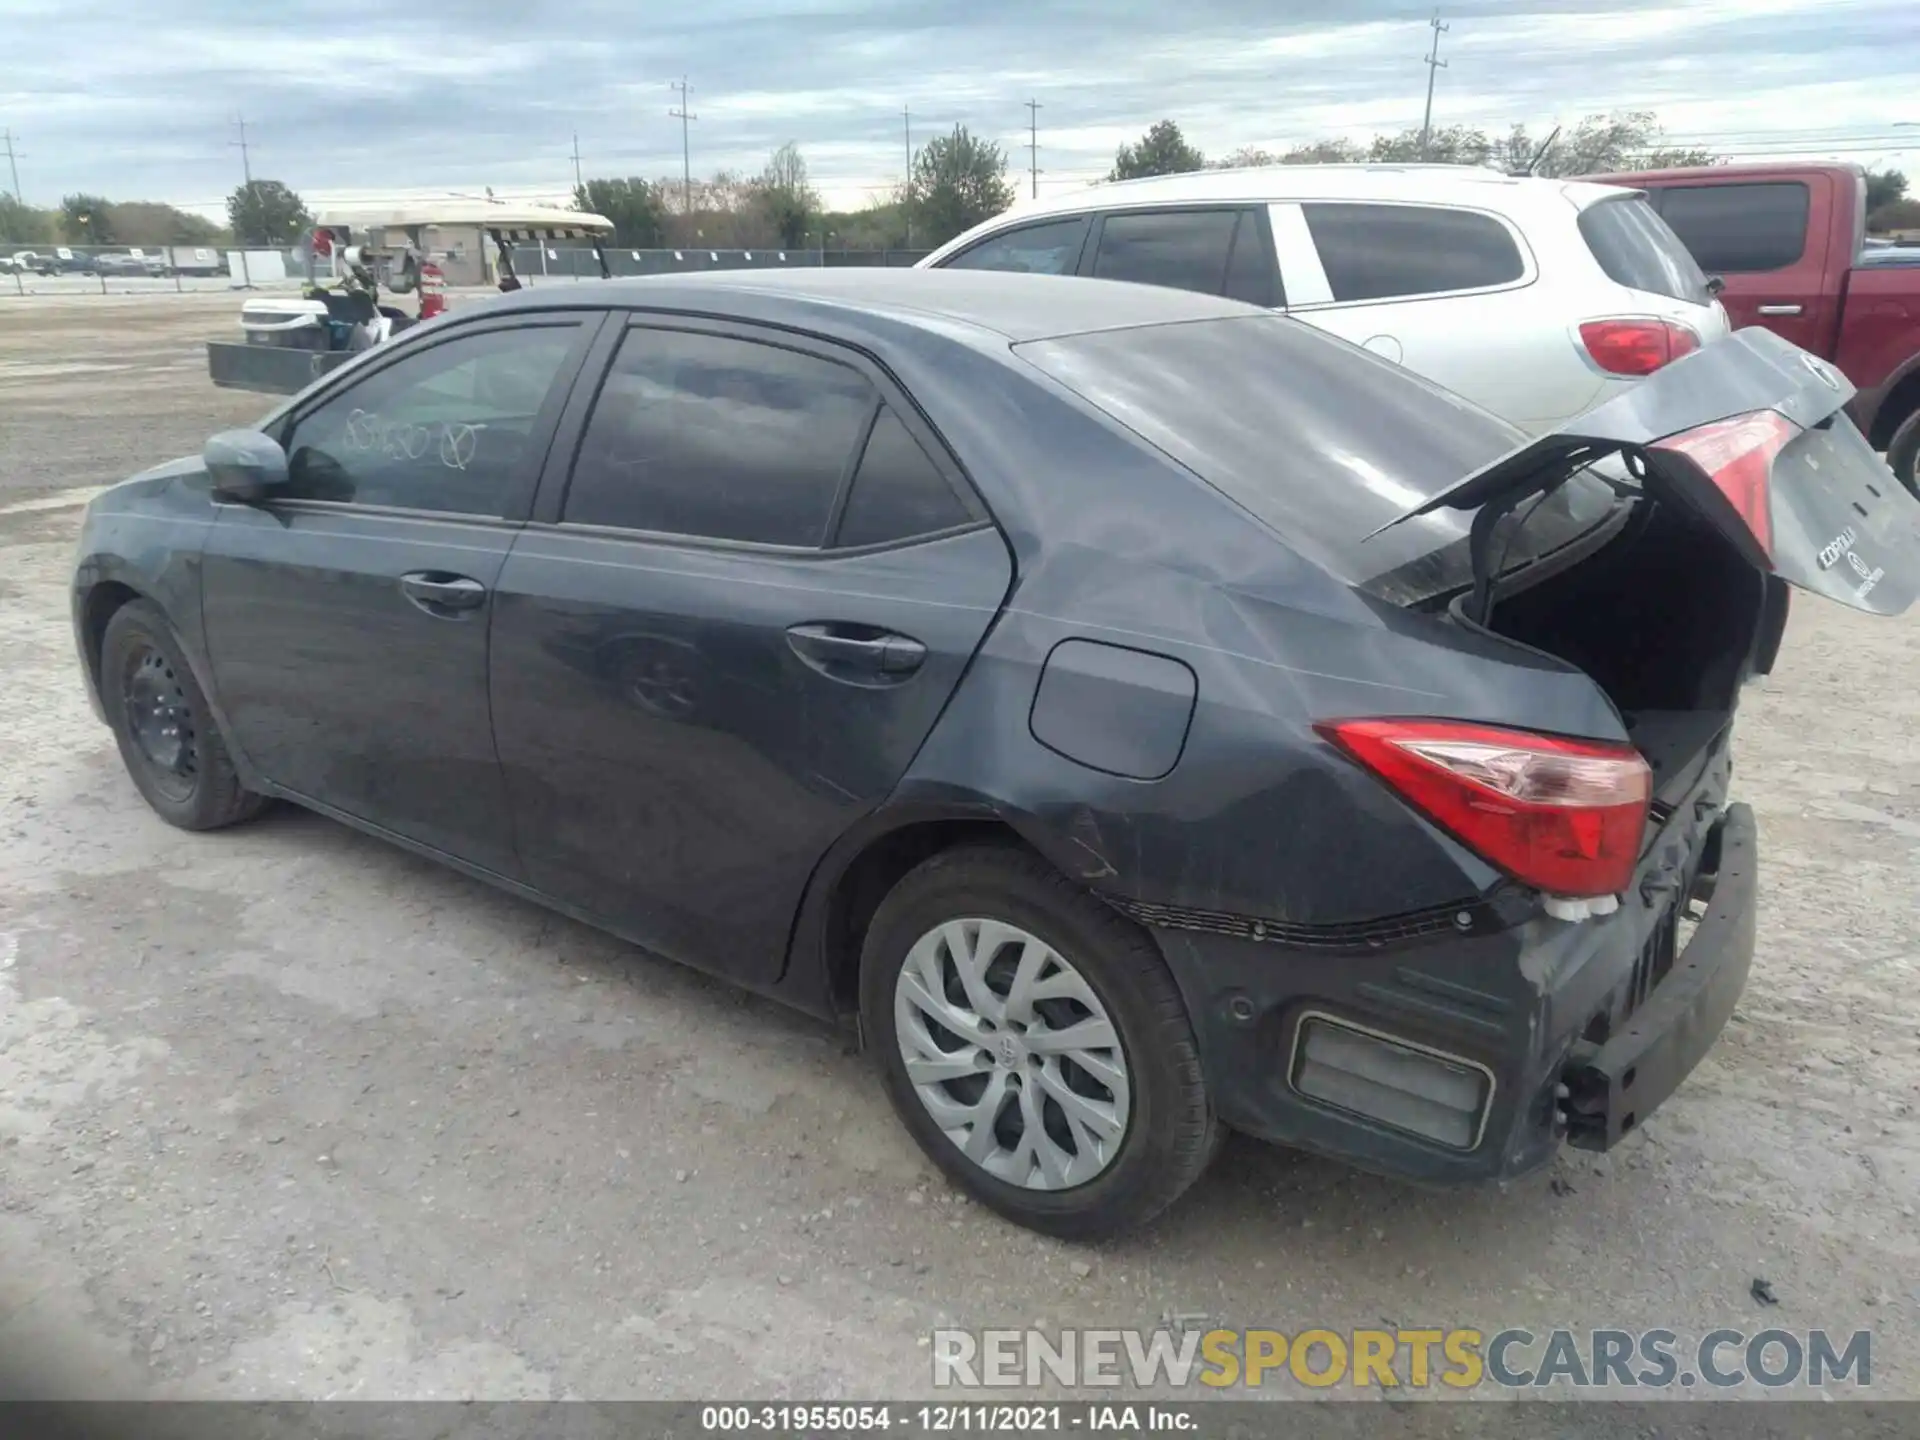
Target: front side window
(718, 438)
(1734, 229)
(449, 428)
(1049, 249)
(1379, 252)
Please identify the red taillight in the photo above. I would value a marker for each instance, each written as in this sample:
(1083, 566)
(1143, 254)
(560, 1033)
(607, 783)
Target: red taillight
(1565, 816)
(1738, 455)
(1636, 347)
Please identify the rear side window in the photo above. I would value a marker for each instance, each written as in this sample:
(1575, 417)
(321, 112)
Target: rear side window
(724, 439)
(898, 493)
(1636, 249)
(1732, 229)
(1050, 249)
(1377, 252)
(1180, 249)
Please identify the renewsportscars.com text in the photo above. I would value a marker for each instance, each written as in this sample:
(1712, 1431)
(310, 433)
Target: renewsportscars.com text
(1454, 1358)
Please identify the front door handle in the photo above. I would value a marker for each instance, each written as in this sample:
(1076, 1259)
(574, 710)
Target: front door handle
(850, 651)
(441, 594)
(1781, 309)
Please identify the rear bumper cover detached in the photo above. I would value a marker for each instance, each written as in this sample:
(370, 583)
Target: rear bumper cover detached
(1612, 1087)
(1579, 1030)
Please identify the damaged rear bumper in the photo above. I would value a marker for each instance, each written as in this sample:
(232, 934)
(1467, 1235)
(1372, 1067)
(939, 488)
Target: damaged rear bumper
(1613, 1086)
(1474, 1055)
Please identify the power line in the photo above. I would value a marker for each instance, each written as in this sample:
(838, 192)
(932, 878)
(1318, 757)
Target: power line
(684, 115)
(1033, 146)
(1434, 66)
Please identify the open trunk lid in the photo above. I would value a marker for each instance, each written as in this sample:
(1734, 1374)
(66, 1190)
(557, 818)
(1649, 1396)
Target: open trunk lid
(1750, 432)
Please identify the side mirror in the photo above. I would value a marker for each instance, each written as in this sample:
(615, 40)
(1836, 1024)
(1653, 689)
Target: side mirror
(245, 466)
(1715, 284)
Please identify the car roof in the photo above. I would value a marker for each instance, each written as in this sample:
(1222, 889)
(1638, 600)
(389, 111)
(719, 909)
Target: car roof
(1460, 184)
(1018, 307)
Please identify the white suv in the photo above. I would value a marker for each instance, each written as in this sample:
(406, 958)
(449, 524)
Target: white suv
(1534, 298)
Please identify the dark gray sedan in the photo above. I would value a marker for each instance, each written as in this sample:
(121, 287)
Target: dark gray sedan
(1143, 715)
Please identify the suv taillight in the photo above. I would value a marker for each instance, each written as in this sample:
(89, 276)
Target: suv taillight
(1737, 455)
(1636, 347)
(1565, 816)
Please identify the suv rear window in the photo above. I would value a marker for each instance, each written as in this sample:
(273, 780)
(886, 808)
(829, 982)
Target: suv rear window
(1376, 252)
(1318, 439)
(1636, 249)
(1733, 229)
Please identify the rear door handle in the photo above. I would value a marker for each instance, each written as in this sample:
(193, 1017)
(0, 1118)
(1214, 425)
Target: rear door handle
(1781, 309)
(830, 648)
(439, 593)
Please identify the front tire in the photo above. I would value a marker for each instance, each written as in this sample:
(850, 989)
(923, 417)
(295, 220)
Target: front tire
(1903, 454)
(1034, 1044)
(168, 740)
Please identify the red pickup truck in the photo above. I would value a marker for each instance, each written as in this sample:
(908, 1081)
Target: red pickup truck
(1787, 240)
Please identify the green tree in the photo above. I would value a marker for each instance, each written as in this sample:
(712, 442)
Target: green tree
(266, 212)
(1884, 187)
(22, 224)
(1163, 150)
(1598, 145)
(958, 181)
(87, 219)
(635, 206)
(1245, 158)
(1449, 145)
(785, 197)
(1895, 215)
(148, 222)
(1325, 152)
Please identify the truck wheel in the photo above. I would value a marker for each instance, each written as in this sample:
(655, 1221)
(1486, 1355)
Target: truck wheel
(1034, 1044)
(1903, 454)
(168, 741)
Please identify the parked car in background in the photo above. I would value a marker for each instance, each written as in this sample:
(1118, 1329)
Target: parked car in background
(118, 263)
(1789, 243)
(1102, 692)
(1535, 298)
(30, 262)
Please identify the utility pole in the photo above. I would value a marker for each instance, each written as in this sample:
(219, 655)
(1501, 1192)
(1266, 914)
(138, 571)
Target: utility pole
(1434, 66)
(13, 164)
(246, 162)
(246, 169)
(906, 128)
(681, 113)
(1033, 145)
(578, 183)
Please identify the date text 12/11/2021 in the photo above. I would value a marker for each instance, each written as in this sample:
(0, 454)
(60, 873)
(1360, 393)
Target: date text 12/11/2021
(976, 1419)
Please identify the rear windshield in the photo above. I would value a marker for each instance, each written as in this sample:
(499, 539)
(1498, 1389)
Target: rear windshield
(1638, 249)
(1319, 439)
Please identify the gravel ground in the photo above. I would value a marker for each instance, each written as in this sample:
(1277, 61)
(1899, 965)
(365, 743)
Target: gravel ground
(287, 1112)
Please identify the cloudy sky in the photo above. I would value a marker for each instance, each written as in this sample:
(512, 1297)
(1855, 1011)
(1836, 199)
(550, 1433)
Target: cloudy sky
(355, 100)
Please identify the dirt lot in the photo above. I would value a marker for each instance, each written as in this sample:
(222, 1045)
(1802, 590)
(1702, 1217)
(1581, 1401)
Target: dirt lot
(284, 1111)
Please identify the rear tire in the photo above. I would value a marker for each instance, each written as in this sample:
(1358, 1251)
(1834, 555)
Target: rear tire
(165, 729)
(1085, 1135)
(1903, 454)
